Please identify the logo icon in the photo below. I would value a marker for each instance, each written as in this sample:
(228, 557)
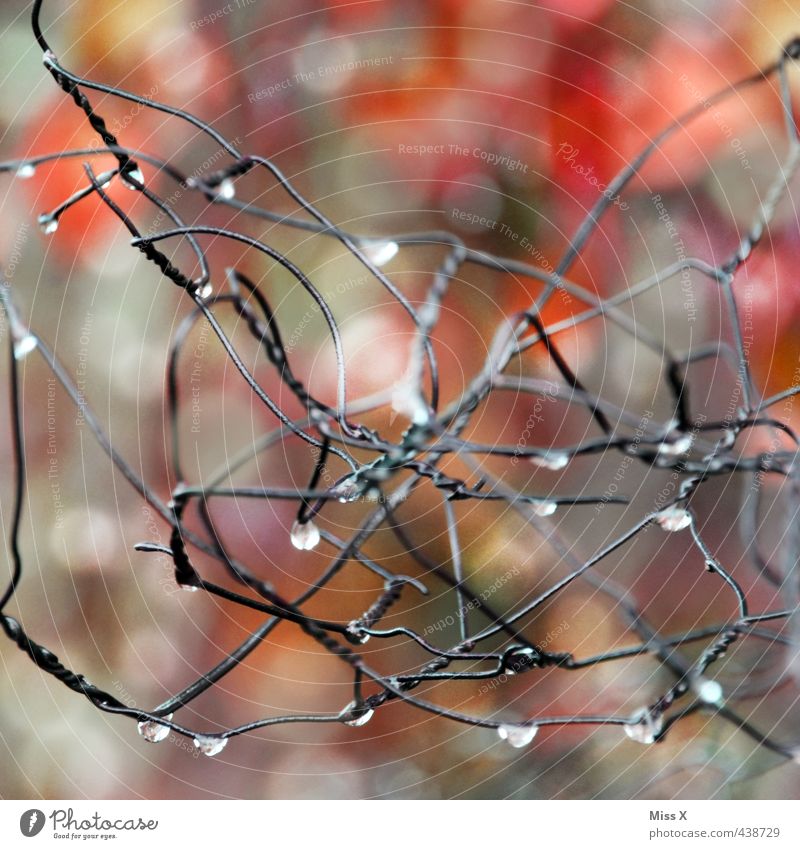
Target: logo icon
(31, 822)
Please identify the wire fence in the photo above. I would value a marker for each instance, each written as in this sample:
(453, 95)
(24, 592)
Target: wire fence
(352, 465)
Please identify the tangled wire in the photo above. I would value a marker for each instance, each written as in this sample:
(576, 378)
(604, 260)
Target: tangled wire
(372, 469)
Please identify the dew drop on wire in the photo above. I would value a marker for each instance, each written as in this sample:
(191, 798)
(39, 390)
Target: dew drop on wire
(26, 171)
(210, 746)
(544, 508)
(517, 736)
(356, 633)
(552, 461)
(644, 727)
(678, 447)
(708, 691)
(346, 492)
(674, 519)
(133, 179)
(154, 732)
(519, 660)
(305, 536)
(24, 345)
(407, 401)
(226, 189)
(380, 252)
(47, 224)
(358, 713)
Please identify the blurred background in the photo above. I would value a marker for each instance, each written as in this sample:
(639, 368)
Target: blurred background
(502, 122)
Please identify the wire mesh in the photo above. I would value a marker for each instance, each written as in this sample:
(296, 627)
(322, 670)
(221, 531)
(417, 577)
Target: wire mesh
(371, 479)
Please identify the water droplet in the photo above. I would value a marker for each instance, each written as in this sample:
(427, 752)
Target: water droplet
(554, 462)
(428, 314)
(26, 171)
(644, 727)
(48, 224)
(679, 446)
(359, 714)
(133, 179)
(380, 252)
(210, 746)
(544, 508)
(205, 291)
(407, 401)
(305, 536)
(520, 660)
(357, 633)
(154, 732)
(708, 691)
(674, 519)
(24, 345)
(226, 189)
(346, 492)
(517, 736)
